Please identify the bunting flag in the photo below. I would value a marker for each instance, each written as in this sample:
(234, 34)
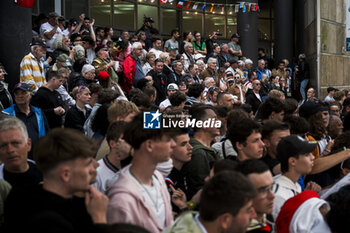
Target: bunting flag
(188, 5)
(180, 3)
(163, 1)
(246, 7)
(203, 7)
(212, 8)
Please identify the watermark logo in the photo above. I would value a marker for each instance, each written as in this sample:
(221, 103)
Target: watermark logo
(151, 120)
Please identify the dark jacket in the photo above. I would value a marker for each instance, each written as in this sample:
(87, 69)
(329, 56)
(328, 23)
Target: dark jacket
(75, 118)
(252, 100)
(48, 100)
(160, 82)
(42, 211)
(199, 167)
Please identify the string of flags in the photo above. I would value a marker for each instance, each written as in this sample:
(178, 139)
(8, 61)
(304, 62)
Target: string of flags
(243, 6)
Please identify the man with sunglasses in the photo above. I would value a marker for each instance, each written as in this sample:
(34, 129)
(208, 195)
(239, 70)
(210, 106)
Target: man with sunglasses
(253, 97)
(260, 176)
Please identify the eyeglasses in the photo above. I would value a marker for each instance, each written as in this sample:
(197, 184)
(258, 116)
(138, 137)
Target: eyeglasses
(264, 191)
(257, 84)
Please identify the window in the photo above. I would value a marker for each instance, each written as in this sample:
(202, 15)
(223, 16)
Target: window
(73, 8)
(124, 15)
(215, 23)
(192, 21)
(231, 26)
(101, 11)
(148, 11)
(169, 20)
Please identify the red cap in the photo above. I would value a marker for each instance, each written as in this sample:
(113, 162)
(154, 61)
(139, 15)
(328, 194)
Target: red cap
(103, 75)
(290, 207)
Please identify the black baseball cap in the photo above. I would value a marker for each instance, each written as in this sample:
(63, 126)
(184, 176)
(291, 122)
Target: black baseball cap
(22, 86)
(294, 145)
(38, 41)
(310, 108)
(235, 36)
(148, 19)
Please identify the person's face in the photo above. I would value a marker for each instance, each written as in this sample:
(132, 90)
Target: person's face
(143, 36)
(101, 33)
(171, 91)
(138, 51)
(217, 50)
(182, 59)
(242, 220)
(325, 118)
(177, 35)
(272, 142)
(194, 70)
(277, 116)
(237, 78)
(304, 163)
(212, 130)
(82, 173)
(125, 36)
(90, 75)
(212, 65)
(151, 60)
(14, 149)
(159, 67)
(189, 49)
(122, 148)
(182, 152)
(281, 66)
(103, 53)
(150, 80)
(158, 44)
(335, 110)
(66, 41)
(214, 97)
(261, 65)
(263, 202)
(179, 67)
(57, 82)
(228, 101)
(310, 93)
(2, 75)
(189, 36)
(86, 23)
(254, 146)
(110, 32)
(336, 126)
(256, 85)
(162, 148)
(77, 41)
(224, 49)
(172, 53)
(22, 97)
(197, 36)
(40, 51)
(84, 96)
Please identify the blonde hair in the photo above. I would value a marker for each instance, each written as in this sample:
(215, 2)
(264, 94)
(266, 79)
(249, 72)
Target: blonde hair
(121, 108)
(276, 93)
(79, 89)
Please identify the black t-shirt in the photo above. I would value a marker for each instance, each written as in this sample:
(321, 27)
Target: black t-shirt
(271, 162)
(177, 179)
(31, 177)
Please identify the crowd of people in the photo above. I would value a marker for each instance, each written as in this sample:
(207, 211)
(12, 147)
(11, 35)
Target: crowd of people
(76, 156)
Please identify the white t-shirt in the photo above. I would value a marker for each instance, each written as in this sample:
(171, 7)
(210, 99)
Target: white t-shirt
(165, 103)
(105, 171)
(46, 27)
(156, 52)
(152, 195)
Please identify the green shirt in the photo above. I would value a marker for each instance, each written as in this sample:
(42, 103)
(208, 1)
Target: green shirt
(197, 46)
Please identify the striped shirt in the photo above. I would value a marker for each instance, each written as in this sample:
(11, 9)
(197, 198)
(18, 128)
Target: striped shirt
(32, 72)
